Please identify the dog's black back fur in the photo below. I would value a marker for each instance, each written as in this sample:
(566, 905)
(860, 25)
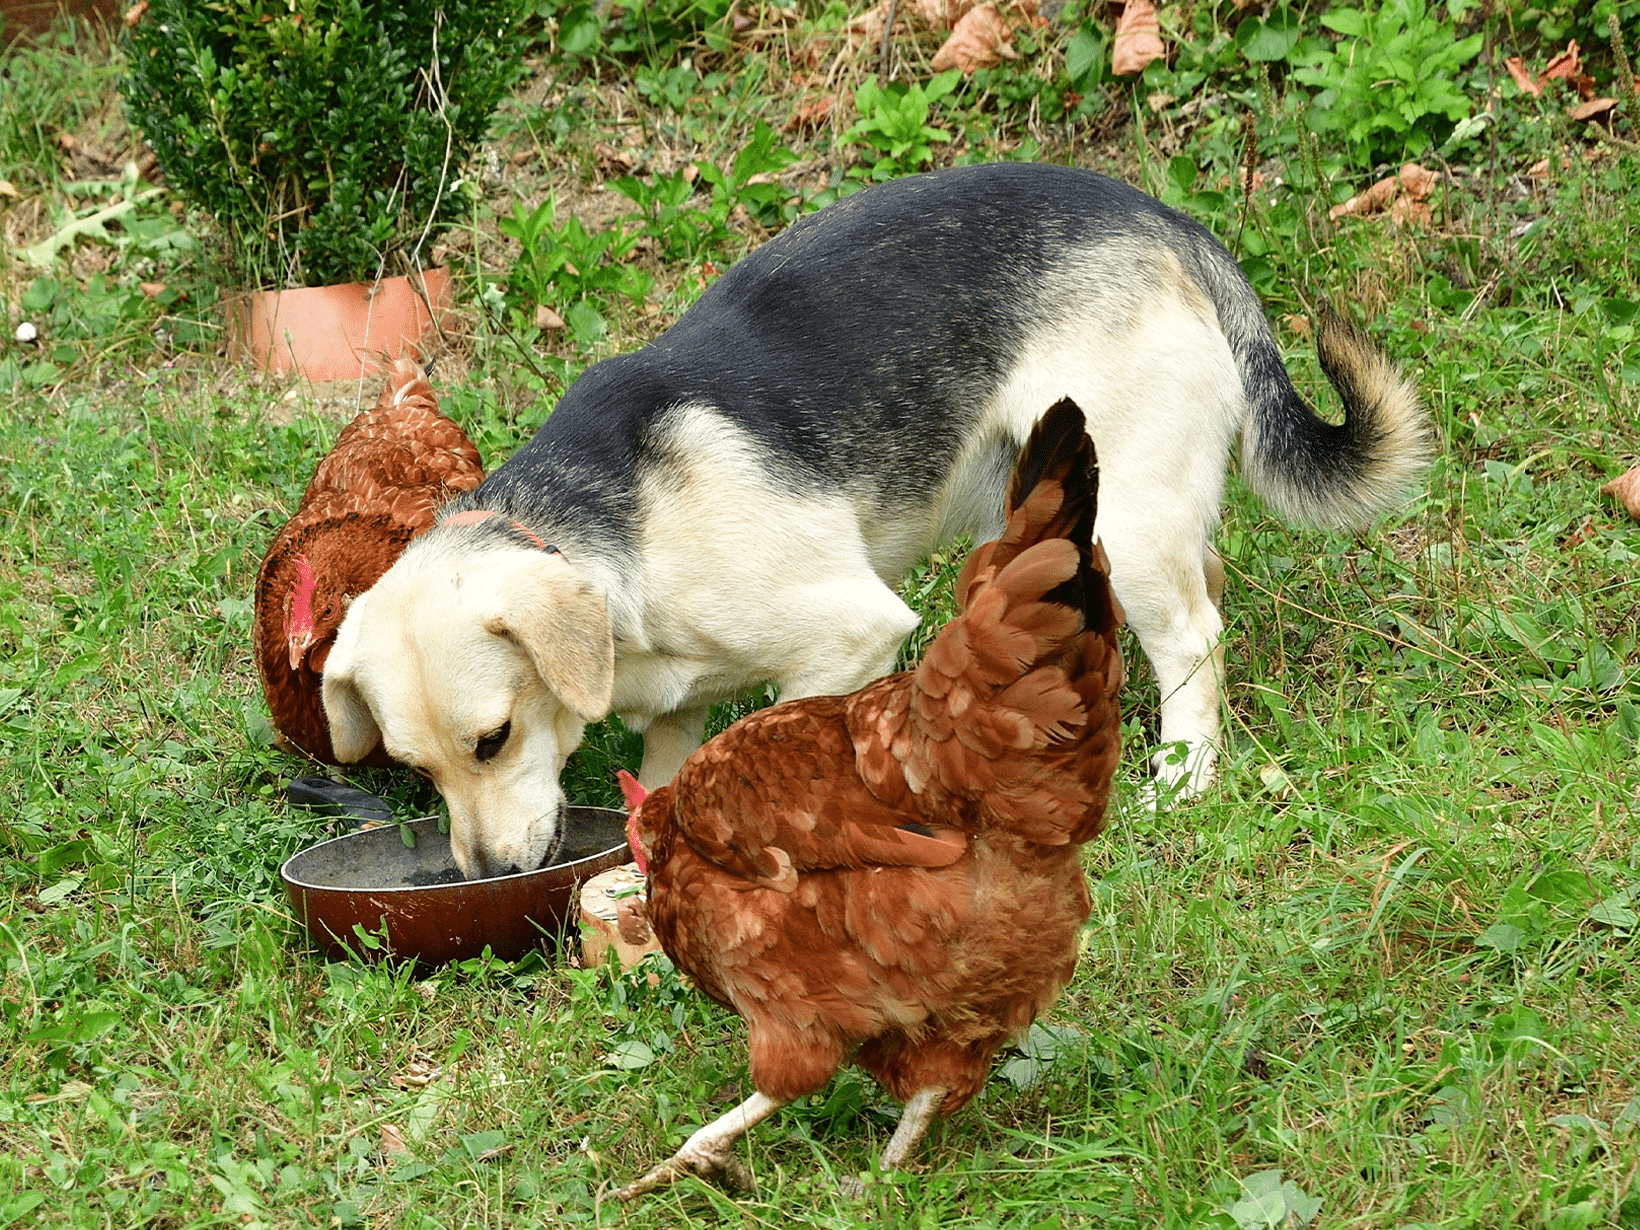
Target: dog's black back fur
(861, 345)
(939, 274)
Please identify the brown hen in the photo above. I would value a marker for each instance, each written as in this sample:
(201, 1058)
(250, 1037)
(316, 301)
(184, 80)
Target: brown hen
(893, 877)
(391, 468)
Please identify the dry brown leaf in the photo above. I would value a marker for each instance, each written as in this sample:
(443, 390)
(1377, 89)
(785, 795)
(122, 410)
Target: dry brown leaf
(1627, 489)
(1374, 200)
(134, 14)
(9, 190)
(393, 1141)
(151, 290)
(1416, 181)
(979, 40)
(1138, 39)
(1592, 109)
(940, 14)
(1030, 10)
(811, 115)
(547, 320)
(1403, 194)
(1568, 66)
(1528, 83)
(612, 161)
(1410, 211)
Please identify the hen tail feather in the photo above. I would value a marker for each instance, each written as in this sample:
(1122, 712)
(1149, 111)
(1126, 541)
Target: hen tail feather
(1014, 711)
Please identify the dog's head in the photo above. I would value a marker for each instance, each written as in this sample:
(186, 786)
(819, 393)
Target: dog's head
(479, 664)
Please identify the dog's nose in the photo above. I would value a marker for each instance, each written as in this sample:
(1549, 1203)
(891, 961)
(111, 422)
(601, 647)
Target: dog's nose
(481, 865)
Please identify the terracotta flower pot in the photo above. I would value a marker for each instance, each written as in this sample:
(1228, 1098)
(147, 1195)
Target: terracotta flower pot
(335, 332)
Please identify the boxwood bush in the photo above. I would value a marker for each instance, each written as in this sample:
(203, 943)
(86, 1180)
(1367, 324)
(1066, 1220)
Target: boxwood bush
(325, 137)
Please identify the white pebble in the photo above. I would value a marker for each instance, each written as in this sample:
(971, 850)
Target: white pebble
(26, 333)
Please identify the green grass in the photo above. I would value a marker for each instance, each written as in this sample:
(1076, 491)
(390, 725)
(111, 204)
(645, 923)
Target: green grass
(1391, 955)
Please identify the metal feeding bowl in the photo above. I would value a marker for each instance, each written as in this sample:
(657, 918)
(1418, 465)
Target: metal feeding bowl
(372, 879)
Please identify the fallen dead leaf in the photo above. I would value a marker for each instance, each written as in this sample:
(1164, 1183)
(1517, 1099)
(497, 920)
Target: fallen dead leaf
(1592, 109)
(1138, 39)
(1410, 211)
(612, 161)
(393, 1141)
(810, 116)
(1299, 325)
(1568, 66)
(1627, 489)
(151, 290)
(1528, 83)
(979, 40)
(1403, 194)
(134, 14)
(9, 190)
(940, 14)
(547, 320)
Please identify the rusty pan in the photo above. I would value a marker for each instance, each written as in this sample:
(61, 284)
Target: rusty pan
(371, 879)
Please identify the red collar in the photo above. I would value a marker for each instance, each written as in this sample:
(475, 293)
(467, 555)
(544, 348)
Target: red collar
(475, 515)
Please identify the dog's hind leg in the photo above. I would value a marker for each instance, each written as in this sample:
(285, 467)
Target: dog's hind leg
(1167, 580)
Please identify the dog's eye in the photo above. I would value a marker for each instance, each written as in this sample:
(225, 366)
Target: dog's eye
(490, 744)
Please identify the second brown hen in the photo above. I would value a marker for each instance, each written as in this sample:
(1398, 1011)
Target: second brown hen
(381, 484)
(894, 877)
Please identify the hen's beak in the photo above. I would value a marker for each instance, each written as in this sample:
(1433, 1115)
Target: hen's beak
(300, 643)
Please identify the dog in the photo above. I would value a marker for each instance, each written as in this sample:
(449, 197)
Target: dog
(732, 504)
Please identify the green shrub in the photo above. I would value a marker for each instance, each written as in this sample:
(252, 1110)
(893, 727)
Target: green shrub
(894, 126)
(326, 137)
(1388, 88)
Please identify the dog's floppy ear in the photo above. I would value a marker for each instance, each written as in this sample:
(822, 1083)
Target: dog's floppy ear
(563, 624)
(353, 730)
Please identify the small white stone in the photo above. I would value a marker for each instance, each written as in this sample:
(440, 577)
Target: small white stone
(26, 333)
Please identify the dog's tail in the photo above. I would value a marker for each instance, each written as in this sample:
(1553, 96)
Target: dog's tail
(1339, 476)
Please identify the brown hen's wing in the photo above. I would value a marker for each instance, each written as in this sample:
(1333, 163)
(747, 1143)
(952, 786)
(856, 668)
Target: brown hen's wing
(778, 793)
(1012, 717)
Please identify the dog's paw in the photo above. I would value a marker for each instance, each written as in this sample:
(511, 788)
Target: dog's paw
(1179, 774)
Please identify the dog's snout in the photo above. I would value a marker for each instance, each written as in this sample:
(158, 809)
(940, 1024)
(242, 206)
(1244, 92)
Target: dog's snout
(485, 858)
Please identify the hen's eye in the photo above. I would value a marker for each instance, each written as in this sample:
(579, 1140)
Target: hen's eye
(490, 744)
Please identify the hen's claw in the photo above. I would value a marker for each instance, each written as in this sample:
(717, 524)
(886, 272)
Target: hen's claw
(710, 1153)
(702, 1162)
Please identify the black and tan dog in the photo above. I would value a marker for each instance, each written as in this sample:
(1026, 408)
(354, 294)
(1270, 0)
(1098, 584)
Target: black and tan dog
(732, 504)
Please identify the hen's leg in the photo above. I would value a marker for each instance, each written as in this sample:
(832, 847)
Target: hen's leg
(710, 1152)
(919, 1112)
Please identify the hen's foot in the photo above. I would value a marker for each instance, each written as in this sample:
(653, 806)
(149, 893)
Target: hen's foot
(710, 1153)
(703, 1163)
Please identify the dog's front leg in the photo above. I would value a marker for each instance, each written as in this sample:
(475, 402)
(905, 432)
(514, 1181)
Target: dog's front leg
(667, 743)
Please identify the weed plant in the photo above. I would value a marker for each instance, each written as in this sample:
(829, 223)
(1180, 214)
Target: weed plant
(1383, 975)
